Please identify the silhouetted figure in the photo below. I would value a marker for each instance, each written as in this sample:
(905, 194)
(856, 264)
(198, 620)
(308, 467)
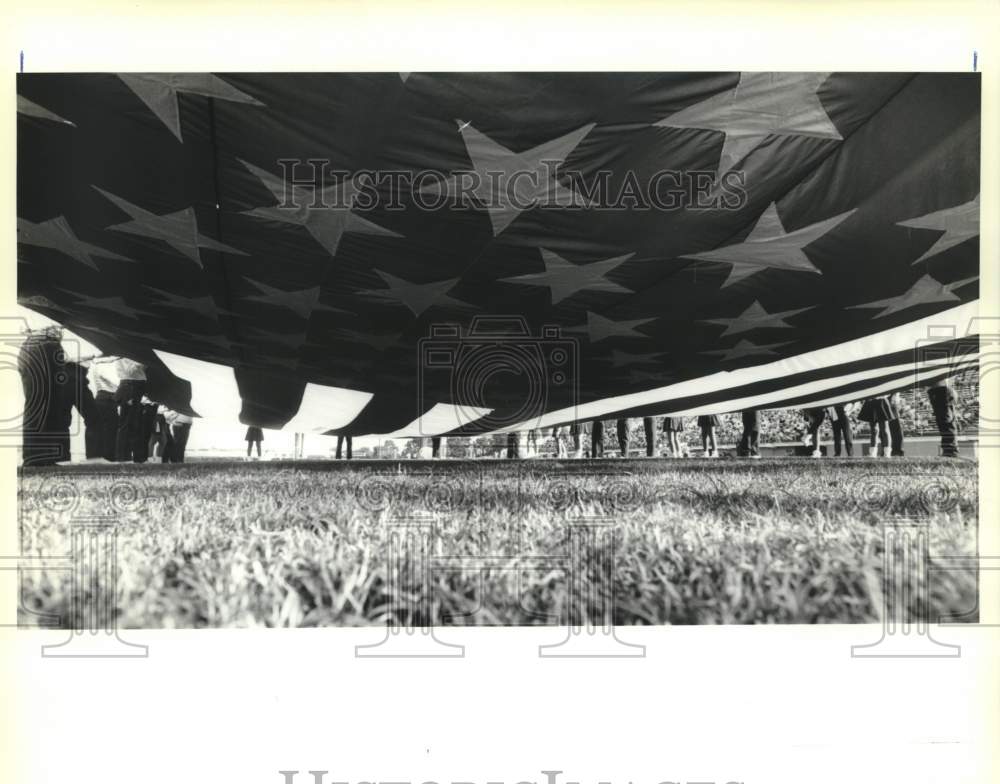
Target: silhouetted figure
(131, 440)
(597, 438)
(750, 441)
(513, 446)
(895, 425)
(649, 428)
(875, 411)
(253, 437)
(341, 440)
(943, 399)
(102, 370)
(841, 423)
(621, 426)
(180, 429)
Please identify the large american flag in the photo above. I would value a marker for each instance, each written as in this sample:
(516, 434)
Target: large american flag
(153, 220)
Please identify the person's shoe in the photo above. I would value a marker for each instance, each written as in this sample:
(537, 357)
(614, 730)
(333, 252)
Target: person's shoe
(816, 453)
(755, 457)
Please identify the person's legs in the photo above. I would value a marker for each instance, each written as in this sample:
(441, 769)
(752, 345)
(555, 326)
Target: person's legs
(597, 439)
(179, 436)
(711, 442)
(107, 412)
(435, 446)
(249, 447)
(350, 440)
(754, 442)
(883, 440)
(743, 447)
(257, 442)
(815, 422)
(944, 415)
(896, 437)
(649, 428)
(837, 428)
(622, 426)
(845, 425)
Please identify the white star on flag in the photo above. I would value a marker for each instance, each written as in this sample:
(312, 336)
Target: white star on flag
(600, 328)
(159, 93)
(761, 105)
(32, 109)
(115, 304)
(326, 224)
(38, 301)
(202, 305)
(58, 235)
(769, 246)
(958, 223)
(380, 342)
(746, 349)
(755, 317)
(418, 297)
(178, 229)
(926, 291)
(564, 278)
(302, 302)
(625, 358)
(495, 167)
(218, 342)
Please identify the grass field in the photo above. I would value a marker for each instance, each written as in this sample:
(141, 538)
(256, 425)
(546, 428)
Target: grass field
(494, 542)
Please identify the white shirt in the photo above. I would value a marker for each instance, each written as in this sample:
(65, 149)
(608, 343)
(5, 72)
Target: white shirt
(104, 376)
(130, 370)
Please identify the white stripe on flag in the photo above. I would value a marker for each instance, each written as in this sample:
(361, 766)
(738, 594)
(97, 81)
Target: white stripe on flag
(925, 374)
(906, 337)
(214, 392)
(443, 418)
(327, 408)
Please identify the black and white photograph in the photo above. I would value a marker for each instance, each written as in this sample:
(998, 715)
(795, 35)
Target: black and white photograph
(431, 349)
(368, 420)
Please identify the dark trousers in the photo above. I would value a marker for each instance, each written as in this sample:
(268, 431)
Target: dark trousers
(250, 446)
(597, 439)
(815, 422)
(178, 441)
(87, 406)
(106, 427)
(842, 432)
(750, 441)
(883, 438)
(512, 446)
(340, 446)
(161, 442)
(435, 446)
(649, 428)
(896, 437)
(131, 439)
(622, 427)
(942, 401)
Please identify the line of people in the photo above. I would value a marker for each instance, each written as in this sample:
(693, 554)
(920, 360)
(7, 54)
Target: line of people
(882, 414)
(121, 423)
